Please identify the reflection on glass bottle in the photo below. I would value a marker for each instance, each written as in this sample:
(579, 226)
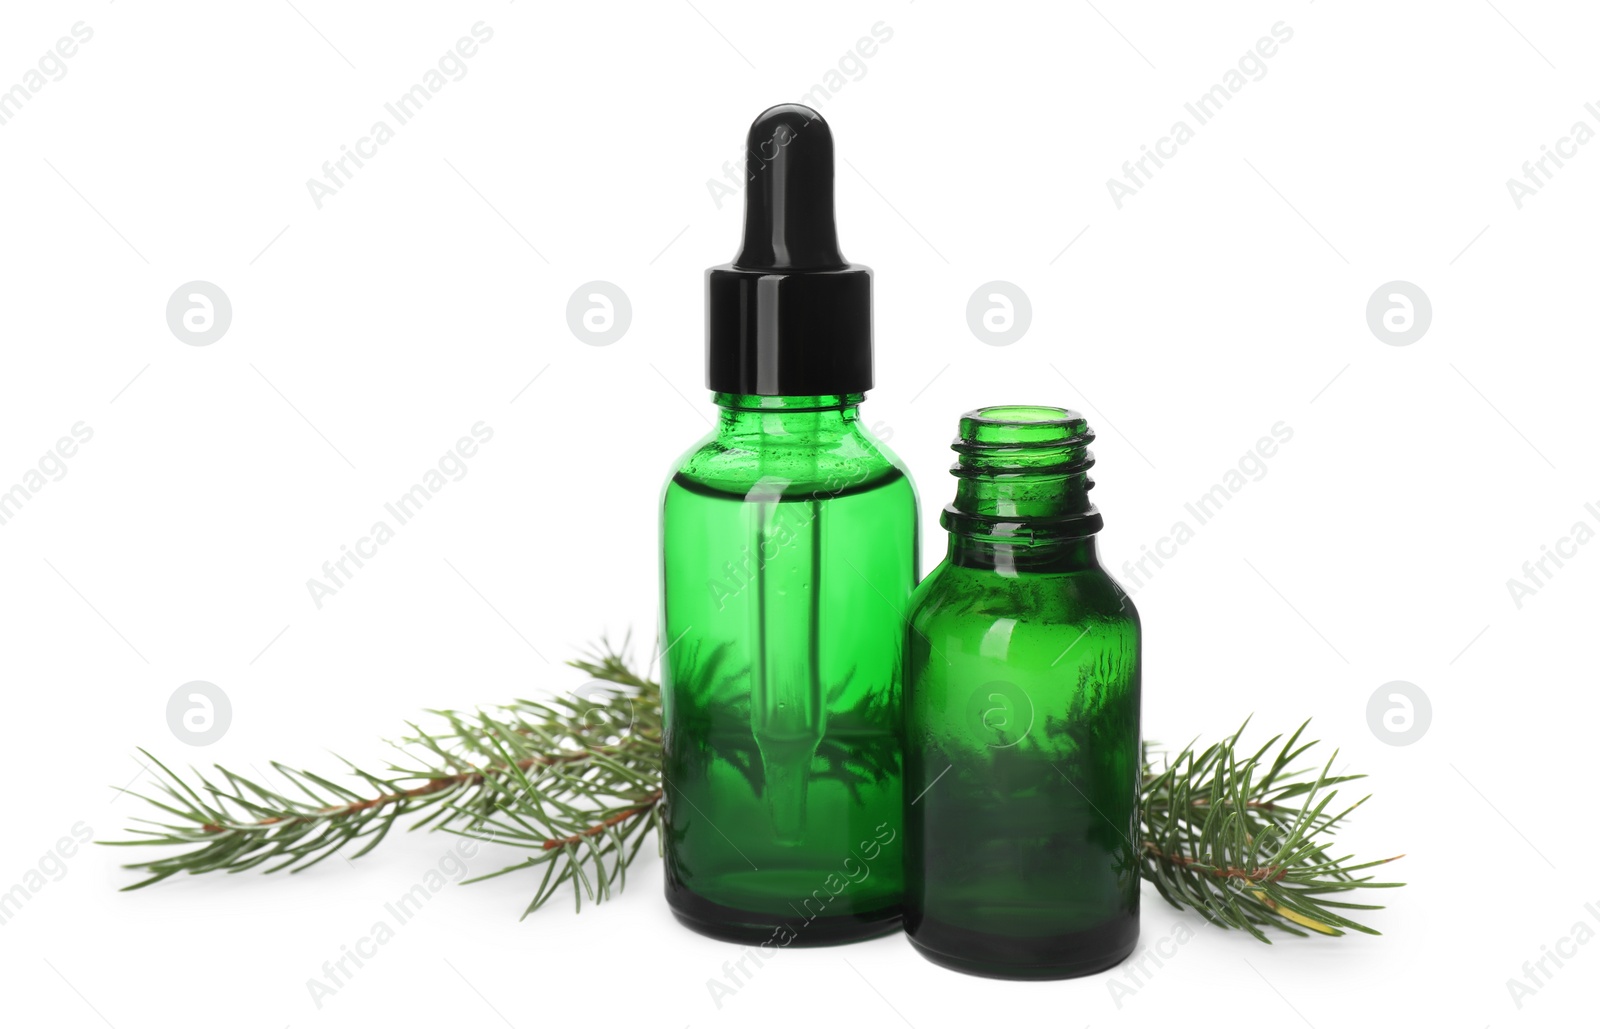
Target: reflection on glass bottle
(1022, 717)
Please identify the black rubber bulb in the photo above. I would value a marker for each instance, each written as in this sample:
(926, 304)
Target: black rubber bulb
(788, 203)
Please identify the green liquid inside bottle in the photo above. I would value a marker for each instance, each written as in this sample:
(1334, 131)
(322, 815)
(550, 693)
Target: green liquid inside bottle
(789, 553)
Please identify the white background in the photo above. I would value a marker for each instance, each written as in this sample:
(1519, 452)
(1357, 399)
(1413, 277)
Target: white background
(1226, 295)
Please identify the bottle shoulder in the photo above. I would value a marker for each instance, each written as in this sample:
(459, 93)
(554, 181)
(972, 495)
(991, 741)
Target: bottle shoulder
(847, 462)
(981, 597)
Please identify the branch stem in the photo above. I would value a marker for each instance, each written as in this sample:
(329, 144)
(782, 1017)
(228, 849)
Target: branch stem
(1267, 874)
(650, 801)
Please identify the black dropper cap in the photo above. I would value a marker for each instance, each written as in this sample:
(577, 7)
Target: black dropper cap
(790, 316)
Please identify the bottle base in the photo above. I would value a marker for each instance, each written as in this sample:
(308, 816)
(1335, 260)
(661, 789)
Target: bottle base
(736, 926)
(1007, 957)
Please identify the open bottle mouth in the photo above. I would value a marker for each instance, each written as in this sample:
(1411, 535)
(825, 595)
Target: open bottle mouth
(1019, 439)
(1032, 419)
(1022, 472)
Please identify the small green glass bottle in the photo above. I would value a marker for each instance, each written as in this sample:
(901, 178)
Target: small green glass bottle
(1022, 717)
(789, 551)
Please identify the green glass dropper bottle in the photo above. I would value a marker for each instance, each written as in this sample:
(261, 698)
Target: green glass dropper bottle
(1022, 716)
(789, 550)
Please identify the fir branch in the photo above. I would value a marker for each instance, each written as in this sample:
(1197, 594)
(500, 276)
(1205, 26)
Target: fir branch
(577, 782)
(1244, 842)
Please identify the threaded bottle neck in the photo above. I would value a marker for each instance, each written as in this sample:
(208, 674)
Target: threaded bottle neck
(1022, 477)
